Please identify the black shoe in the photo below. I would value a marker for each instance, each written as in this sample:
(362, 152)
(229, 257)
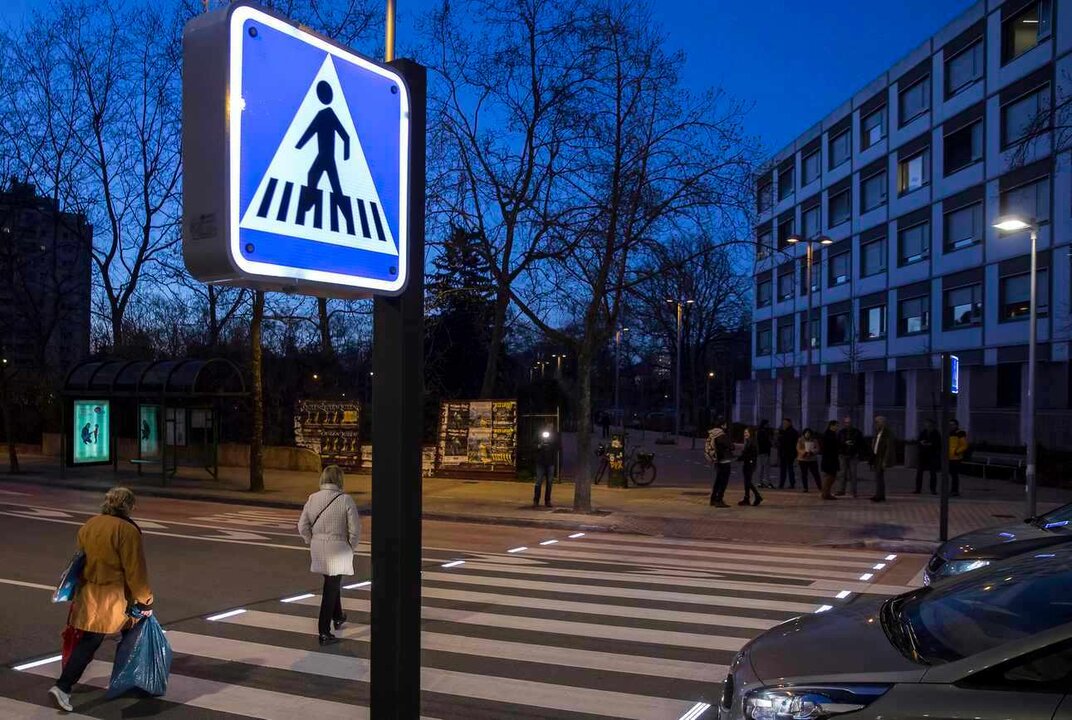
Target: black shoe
(840, 494)
(878, 499)
(744, 503)
(757, 502)
(547, 504)
(328, 639)
(339, 623)
(720, 504)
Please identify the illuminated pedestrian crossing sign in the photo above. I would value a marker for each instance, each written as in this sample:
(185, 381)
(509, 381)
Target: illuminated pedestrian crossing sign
(296, 155)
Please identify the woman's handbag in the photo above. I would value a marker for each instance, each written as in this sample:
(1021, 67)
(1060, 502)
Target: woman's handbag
(71, 636)
(70, 579)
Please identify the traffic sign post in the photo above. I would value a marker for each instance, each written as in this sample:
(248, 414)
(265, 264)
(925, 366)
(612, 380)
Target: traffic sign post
(949, 384)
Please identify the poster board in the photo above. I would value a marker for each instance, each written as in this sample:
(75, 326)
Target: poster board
(175, 427)
(92, 432)
(478, 435)
(149, 432)
(331, 429)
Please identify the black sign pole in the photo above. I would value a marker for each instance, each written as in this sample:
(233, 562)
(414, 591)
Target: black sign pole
(943, 432)
(397, 407)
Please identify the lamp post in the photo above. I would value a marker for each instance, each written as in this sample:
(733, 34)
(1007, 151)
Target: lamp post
(558, 365)
(681, 305)
(808, 244)
(617, 374)
(710, 377)
(1015, 224)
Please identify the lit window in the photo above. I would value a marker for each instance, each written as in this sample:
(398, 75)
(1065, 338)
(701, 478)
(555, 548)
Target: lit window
(1026, 29)
(873, 322)
(915, 316)
(913, 173)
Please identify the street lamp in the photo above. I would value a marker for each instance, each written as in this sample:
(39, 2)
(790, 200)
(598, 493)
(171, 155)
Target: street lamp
(558, 368)
(808, 244)
(710, 377)
(617, 373)
(681, 305)
(1012, 223)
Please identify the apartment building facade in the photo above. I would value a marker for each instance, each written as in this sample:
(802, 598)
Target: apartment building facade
(894, 197)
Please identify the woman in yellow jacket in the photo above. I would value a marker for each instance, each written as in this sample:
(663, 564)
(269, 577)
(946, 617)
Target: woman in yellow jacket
(114, 579)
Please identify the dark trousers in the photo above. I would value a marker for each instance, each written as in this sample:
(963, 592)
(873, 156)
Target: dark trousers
(545, 475)
(954, 476)
(880, 483)
(748, 469)
(606, 431)
(926, 466)
(330, 603)
(722, 481)
(785, 468)
(81, 656)
(810, 466)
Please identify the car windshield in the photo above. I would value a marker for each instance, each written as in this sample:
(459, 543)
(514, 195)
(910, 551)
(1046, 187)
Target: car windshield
(1059, 520)
(986, 608)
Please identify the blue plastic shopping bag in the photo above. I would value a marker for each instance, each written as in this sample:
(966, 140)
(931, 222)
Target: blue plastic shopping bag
(142, 660)
(70, 579)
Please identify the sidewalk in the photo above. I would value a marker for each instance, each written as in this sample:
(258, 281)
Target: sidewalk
(907, 522)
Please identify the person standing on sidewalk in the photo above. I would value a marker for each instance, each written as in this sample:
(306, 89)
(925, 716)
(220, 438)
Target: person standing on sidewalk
(958, 448)
(114, 578)
(808, 458)
(748, 467)
(546, 460)
(764, 438)
(930, 458)
(849, 443)
(787, 453)
(604, 421)
(829, 464)
(719, 451)
(883, 448)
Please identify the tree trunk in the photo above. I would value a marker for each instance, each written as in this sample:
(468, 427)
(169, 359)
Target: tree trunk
(256, 441)
(326, 347)
(213, 320)
(498, 329)
(582, 476)
(5, 400)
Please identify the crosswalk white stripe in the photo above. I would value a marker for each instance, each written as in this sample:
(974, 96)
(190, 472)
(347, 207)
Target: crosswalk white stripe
(754, 555)
(650, 596)
(714, 545)
(452, 682)
(504, 649)
(25, 711)
(562, 627)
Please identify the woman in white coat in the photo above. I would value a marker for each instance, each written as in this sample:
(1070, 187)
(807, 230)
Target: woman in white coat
(331, 527)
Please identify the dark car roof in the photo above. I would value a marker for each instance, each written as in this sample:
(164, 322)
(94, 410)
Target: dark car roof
(1049, 561)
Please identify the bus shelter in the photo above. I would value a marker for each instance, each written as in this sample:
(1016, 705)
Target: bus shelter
(171, 409)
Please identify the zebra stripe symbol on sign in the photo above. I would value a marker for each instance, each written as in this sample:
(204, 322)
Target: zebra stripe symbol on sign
(318, 185)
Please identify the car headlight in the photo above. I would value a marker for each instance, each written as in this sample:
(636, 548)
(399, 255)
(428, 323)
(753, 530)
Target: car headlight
(957, 567)
(809, 703)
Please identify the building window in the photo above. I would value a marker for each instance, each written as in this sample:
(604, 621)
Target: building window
(765, 197)
(964, 227)
(914, 243)
(786, 229)
(1026, 29)
(873, 191)
(785, 338)
(816, 276)
(1025, 116)
(913, 173)
(1009, 385)
(963, 147)
(964, 307)
(763, 341)
(914, 100)
(839, 267)
(1015, 295)
(964, 68)
(873, 323)
(804, 334)
(812, 222)
(873, 257)
(840, 148)
(873, 128)
(763, 293)
(810, 167)
(785, 283)
(837, 329)
(785, 183)
(840, 207)
(763, 245)
(914, 316)
(1028, 201)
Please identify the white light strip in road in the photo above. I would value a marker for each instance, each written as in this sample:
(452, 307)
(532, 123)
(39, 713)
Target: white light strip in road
(230, 613)
(843, 594)
(296, 598)
(696, 711)
(574, 536)
(455, 563)
(879, 566)
(891, 557)
(39, 663)
(366, 583)
(517, 549)
(866, 576)
(824, 608)
(549, 542)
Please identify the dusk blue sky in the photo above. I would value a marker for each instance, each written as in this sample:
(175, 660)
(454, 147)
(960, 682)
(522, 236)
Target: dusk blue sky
(793, 61)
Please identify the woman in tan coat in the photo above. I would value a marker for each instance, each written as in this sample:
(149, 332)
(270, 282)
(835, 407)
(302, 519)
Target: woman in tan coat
(114, 579)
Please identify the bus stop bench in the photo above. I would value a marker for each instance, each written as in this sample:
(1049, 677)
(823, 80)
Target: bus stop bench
(1014, 463)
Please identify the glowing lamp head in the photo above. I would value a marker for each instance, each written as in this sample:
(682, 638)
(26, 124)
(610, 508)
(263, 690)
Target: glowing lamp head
(1012, 224)
(546, 435)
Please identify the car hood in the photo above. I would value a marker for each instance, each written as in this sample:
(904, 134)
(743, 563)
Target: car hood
(842, 645)
(1000, 542)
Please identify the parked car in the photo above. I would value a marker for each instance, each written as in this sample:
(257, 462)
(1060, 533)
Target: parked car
(980, 548)
(993, 644)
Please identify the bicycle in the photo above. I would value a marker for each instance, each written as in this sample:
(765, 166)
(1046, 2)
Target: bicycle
(637, 466)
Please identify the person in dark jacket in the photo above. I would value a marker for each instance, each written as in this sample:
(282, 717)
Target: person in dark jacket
(830, 464)
(748, 467)
(764, 444)
(546, 460)
(883, 449)
(850, 442)
(719, 451)
(930, 458)
(787, 453)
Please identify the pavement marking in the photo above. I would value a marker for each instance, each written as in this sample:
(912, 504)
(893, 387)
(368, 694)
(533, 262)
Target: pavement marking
(25, 711)
(518, 549)
(805, 550)
(296, 598)
(38, 663)
(23, 583)
(696, 711)
(505, 649)
(759, 555)
(225, 615)
(453, 563)
(363, 583)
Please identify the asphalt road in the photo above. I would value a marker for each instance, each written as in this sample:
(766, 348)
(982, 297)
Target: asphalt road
(532, 623)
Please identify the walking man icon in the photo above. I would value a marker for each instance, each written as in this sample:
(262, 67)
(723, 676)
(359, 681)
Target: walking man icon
(325, 125)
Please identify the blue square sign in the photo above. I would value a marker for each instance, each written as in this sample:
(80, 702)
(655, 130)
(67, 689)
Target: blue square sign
(314, 160)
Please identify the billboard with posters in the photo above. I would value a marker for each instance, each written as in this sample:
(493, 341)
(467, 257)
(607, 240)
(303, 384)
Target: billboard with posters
(92, 436)
(149, 431)
(331, 429)
(478, 434)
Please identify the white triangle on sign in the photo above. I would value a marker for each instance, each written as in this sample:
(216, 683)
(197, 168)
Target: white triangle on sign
(285, 204)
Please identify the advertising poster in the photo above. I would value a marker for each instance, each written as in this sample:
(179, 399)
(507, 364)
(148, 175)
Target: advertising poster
(331, 429)
(478, 434)
(175, 430)
(149, 431)
(92, 438)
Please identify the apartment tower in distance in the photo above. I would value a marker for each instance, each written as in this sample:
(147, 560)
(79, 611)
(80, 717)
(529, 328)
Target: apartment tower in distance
(894, 197)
